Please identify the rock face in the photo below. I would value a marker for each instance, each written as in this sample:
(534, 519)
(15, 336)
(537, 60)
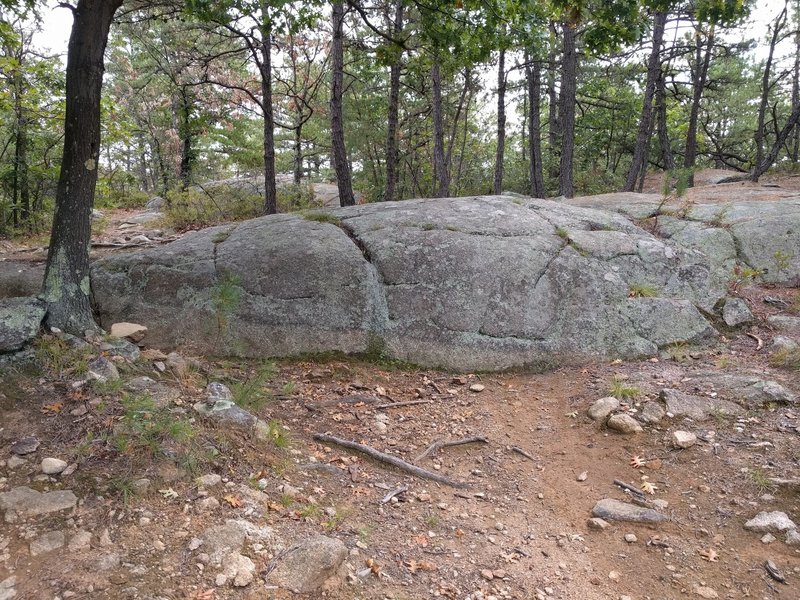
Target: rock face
(763, 235)
(614, 510)
(463, 283)
(20, 319)
(305, 567)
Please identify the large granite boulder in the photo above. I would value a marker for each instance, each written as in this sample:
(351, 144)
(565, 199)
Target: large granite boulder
(462, 283)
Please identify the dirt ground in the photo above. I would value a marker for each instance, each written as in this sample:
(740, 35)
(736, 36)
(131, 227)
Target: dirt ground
(517, 529)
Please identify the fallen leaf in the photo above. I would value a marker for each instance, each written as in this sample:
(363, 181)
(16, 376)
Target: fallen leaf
(421, 565)
(649, 488)
(373, 566)
(202, 594)
(55, 407)
(234, 501)
(168, 493)
(710, 555)
(637, 462)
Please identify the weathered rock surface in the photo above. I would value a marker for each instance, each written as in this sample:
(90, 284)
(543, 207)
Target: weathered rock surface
(680, 405)
(747, 390)
(462, 283)
(614, 510)
(305, 567)
(602, 408)
(735, 312)
(20, 319)
(25, 502)
(764, 235)
(770, 522)
(624, 424)
(784, 322)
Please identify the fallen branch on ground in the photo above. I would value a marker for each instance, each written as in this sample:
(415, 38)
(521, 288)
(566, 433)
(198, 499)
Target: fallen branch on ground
(519, 450)
(404, 403)
(629, 488)
(393, 493)
(759, 341)
(442, 444)
(389, 459)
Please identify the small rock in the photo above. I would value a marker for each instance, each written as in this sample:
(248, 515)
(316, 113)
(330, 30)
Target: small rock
(132, 331)
(792, 538)
(661, 504)
(47, 542)
(26, 502)
(217, 391)
(652, 413)
(782, 343)
(305, 567)
(80, 541)
(705, 592)
(683, 439)
(614, 510)
(631, 538)
(15, 461)
(102, 370)
(477, 387)
(53, 466)
(770, 522)
(105, 538)
(238, 568)
(209, 480)
(25, 445)
(140, 486)
(598, 523)
(208, 504)
(768, 538)
(487, 574)
(602, 408)
(735, 312)
(583, 476)
(107, 562)
(625, 424)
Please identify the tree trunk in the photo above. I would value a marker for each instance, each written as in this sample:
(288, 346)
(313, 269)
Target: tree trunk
(265, 66)
(569, 76)
(638, 162)
(186, 136)
(339, 151)
(533, 73)
(501, 123)
(699, 73)
(553, 123)
(67, 289)
(783, 135)
(439, 161)
(796, 84)
(663, 133)
(765, 87)
(393, 110)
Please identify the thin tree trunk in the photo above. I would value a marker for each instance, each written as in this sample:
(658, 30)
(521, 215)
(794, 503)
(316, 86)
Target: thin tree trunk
(186, 137)
(553, 122)
(663, 133)
(700, 73)
(765, 87)
(796, 85)
(67, 289)
(569, 75)
(638, 162)
(439, 161)
(265, 67)
(783, 135)
(533, 72)
(339, 151)
(393, 111)
(501, 123)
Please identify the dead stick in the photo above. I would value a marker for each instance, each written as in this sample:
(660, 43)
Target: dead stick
(393, 493)
(629, 488)
(392, 460)
(442, 444)
(759, 341)
(404, 403)
(527, 455)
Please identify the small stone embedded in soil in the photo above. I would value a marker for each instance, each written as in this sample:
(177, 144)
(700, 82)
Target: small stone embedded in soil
(80, 541)
(683, 439)
(705, 592)
(768, 522)
(631, 538)
(768, 538)
(602, 408)
(477, 387)
(53, 466)
(487, 574)
(625, 424)
(47, 542)
(583, 476)
(792, 538)
(598, 523)
(25, 445)
(209, 480)
(614, 510)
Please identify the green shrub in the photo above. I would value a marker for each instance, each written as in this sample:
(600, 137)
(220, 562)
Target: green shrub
(294, 197)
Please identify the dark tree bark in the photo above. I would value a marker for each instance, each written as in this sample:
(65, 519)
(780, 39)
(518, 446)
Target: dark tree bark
(783, 135)
(185, 105)
(663, 133)
(393, 110)
(639, 162)
(533, 75)
(699, 76)
(440, 174)
(265, 68)
(67, 289)
(497, 187)
(796, 87)
(553, 123)
(566, 113)
(766, 85)
(20, 183)
(339, 151)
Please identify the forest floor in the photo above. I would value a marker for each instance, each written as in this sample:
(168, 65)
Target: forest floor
(519, 530)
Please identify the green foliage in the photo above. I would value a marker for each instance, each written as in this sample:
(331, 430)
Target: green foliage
(620, 389)
(147, 427)
(783, 260)
(193, 208)
(251, 393)
(642, 290)
(293, 198)
(278, 435)
(59, 358)
(787, 359)
(322, 217)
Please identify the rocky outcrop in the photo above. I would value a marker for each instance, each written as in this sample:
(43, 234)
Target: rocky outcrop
(762, 235)
(464, 283)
